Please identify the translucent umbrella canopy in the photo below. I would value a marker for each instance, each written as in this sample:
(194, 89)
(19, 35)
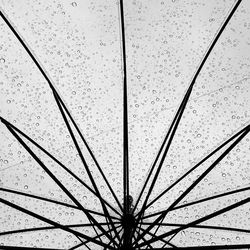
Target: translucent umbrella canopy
(124, 125)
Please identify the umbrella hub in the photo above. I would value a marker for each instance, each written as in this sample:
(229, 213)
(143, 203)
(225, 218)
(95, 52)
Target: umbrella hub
(128, 221)
(128, 224)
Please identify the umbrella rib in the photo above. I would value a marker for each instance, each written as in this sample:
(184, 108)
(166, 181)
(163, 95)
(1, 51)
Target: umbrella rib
(90, 217)
(213, 165)
(203, 219)
(171, 132)
(48, 200)
(243, 133)
(42, 71)
(158, 155)
(203, 226)
(39, 217)
(156, 230)
(88, 148)
(149, 246)
(39, 198)
(47, 228)
(85, 165)
(211, 197)
(80, 244)
(57, 161)
(28, 248)
(193, 168)
(120, 240)
(56, 97)
(198, 71)
(140, 224)
(215, 247)
(107, 215)
(27, 230)
(125, 115)
(25, 47)
(138, 232)
(168, 243)
(87, 241)
(54, 92)
(199, 201)
(53, 201)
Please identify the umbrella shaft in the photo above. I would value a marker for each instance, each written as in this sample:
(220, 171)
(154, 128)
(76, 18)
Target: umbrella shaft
(127, 243)
(128, 223)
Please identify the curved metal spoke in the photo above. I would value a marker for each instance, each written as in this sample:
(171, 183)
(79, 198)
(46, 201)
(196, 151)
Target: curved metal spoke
(178, 115)
(29, 248)
(52, 201)
(53, 223)
(153, 235)
(198, 221)
(125, 115)
(210, 198)
(193, 168)
(98, 236)
(201, 226)
(55, 179)
(197, 202)
(175, 123)
(8, 124)
(49, 228)
(241, 135)
(86, 167)
(57, 98)
(49, 81)
(226, 247)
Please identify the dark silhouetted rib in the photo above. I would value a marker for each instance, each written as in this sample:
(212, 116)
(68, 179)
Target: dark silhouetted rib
(205, 218)
(65, 228)
(53, 177)
(57, 161)
(125, 116)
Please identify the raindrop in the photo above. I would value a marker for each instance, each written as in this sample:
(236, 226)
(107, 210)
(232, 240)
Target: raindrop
(74, 4)
(2, 60)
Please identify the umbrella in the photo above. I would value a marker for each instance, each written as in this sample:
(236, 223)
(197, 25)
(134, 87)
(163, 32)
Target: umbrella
(124, 125)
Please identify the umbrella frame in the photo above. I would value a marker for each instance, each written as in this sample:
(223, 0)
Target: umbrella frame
(130, 235)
